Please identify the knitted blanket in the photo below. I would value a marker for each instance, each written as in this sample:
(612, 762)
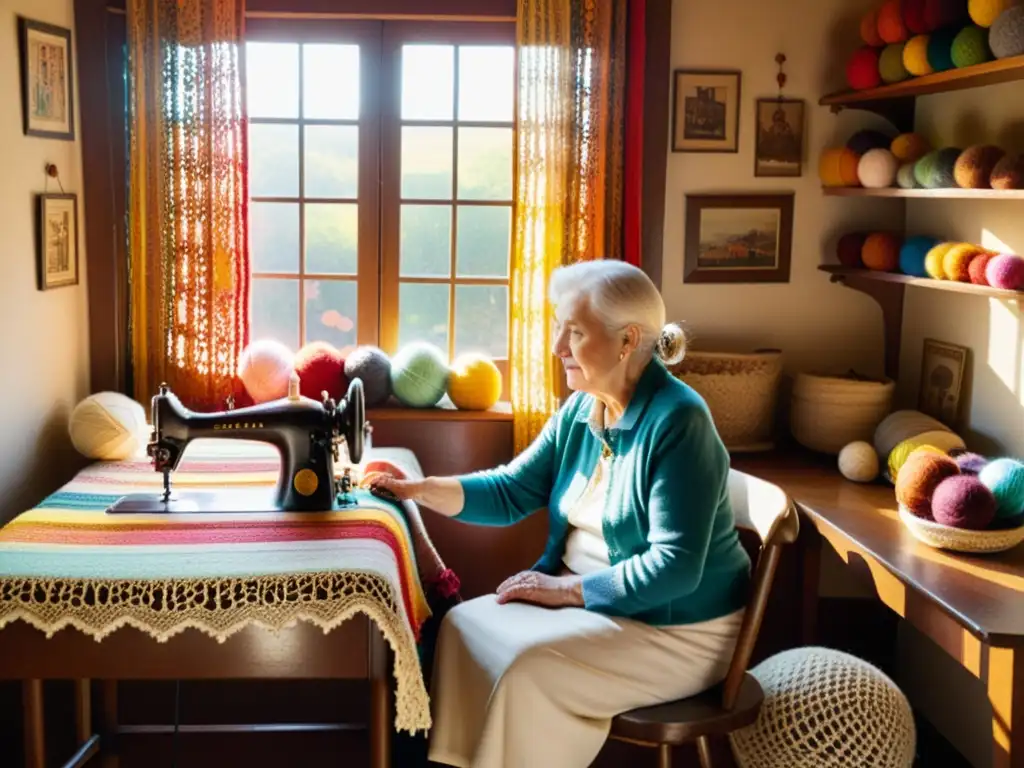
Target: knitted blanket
(66, 562)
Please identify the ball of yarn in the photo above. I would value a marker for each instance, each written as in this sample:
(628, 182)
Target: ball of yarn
(372, 366)
(1006, 36)
(985, 12)
(474, 383)
(867, 139)
(944, 13)
(913, 253)
(946, 440)
(970, 47)
(419, 375)
(108, 426)
(935, 170)
(963, 501)
(1006, 271)
(1008, 173)
(890, 22)
(976, 269)
(973, 169)
(940, 49)
(838, 167)
(869, 29)
(877, 169)
(970, 463)
(858, 462)
(849, 248)
(881, 252)
(918, 477)
(1005, 478)
(909, 147)
(905, 178)
(862, 70)
(915, 56)
(913, 16)
(890, 64)
(265, 368)
(933, 261)
(901, 425)
(957, 260)
(321, 368)
(898, 456)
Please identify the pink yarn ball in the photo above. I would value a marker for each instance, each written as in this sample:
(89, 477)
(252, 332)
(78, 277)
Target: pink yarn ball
(265, 368)
(1005, 271)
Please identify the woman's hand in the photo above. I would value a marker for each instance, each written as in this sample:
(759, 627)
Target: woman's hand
(444, 495)
(542, 589)
(400, 489)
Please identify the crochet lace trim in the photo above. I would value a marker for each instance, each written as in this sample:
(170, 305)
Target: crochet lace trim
(220, 607)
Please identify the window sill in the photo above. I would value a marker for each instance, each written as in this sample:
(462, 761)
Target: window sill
(443, 411)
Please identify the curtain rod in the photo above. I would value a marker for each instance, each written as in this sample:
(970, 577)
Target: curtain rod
(354, 16)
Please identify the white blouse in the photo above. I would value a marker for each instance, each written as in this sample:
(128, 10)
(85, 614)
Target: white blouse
(585, 547)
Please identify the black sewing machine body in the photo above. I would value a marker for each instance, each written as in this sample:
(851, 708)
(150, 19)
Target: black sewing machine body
(307, 434)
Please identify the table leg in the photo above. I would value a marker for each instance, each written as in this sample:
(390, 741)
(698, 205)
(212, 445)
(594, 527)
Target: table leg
(380, 701)
(1006, 693)
(108, 724)
(83, 710)
(35, 732)
(809, 545)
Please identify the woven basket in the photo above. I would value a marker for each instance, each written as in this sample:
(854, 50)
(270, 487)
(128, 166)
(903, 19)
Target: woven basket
(741, 390)
(829, 412)
(960, 539)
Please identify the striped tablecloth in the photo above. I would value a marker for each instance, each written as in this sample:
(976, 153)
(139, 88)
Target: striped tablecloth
(66, 562)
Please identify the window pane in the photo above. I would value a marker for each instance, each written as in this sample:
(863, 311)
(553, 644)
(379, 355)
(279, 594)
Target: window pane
(330, 82)
(426, 241)
(427, 163)
(274, 236)
(428, 82)
(332, 161)
(332, 238)
(486, 80)
(485, 164)
(272, 79)
(484, 241)
(481, 319)
(331, 312)
(273, 160)
(423, 314)
(275, 310)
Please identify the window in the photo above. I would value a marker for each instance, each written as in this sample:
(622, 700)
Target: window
(381, 182)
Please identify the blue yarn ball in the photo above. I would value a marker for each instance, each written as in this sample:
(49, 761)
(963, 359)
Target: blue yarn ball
(419, 375)
(940, 49)
(372, 366)
(913, 252)
(1005, 478)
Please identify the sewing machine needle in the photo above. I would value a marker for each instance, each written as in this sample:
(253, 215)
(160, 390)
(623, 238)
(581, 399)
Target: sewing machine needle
(167, 486)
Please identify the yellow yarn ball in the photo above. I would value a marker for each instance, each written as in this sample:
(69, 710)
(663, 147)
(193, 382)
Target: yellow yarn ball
(899, 455)
(915, 56)
(985, 12)
(956, 260)
(933, 261)
(910, 147)
(474, 383)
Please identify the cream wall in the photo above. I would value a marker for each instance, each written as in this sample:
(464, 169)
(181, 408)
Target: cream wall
(44, 341)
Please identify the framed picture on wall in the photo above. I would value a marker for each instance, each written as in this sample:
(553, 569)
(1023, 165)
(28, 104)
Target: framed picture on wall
(47, 80)
(57, 240)
(779, 143)
(705, 111)
(942, 374)
(738, 238)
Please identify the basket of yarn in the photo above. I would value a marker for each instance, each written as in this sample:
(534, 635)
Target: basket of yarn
(827, 412)
(965, 503)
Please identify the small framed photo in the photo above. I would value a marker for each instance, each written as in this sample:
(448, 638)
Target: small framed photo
(738, 238)
(57, 248)
(779, 146)
(706, 111)
(942, 374)
(47, 80)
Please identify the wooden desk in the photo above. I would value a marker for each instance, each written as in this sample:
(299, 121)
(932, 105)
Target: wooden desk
(970, 605)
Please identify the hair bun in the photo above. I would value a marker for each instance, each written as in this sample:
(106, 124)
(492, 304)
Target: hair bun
(671, 346)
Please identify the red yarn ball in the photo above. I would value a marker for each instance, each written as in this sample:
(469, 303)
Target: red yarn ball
(963, 501)
(890, 22)
(849, 248)
(944, 13)
(913, 16)
(321, 367)
(862, 69)
(976, 268)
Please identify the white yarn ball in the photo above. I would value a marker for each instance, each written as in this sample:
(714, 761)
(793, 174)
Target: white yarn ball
(859, 462)
(108, 426)
(877, 168)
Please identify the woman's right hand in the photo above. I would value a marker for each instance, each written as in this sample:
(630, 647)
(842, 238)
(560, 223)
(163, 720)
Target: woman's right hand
(401, 489)
(444, 495)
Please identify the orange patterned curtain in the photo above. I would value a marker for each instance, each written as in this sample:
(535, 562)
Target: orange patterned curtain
(188, 198)
(569, 176)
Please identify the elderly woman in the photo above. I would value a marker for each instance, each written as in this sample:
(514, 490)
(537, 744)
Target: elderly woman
(640, 592)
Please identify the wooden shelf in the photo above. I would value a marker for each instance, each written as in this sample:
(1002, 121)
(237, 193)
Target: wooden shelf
(954, 193)
(443, 411)
(840, 273)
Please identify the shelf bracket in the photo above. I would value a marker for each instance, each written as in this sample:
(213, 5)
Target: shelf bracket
(898, 111)
(889, 297)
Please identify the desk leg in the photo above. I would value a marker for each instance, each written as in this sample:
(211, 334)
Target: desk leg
(1006, 693)
(380, 700)
(108, 725)
(809, 544)
(83, 710)
(35, 733)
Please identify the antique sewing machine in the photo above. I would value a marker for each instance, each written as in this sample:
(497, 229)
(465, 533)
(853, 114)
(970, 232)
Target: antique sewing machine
(307, 433)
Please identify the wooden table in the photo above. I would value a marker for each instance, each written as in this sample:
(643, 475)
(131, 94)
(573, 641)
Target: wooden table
(355, 650)
(972, 606)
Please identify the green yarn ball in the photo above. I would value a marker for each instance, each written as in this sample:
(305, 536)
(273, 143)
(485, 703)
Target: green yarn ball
(890, 64)
(905, 177)
(1005, 478)
(419, 375)
(970, 47)
(935, 170)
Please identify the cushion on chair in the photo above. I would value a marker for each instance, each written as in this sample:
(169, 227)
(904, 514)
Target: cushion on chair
(682, 721)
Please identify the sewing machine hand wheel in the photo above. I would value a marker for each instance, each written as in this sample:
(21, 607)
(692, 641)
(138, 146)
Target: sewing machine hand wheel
(351, 415)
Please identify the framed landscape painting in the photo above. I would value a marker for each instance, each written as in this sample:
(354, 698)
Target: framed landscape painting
(738, 238)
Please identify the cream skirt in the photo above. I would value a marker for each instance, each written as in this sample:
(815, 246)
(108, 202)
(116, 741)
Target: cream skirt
(520, 686)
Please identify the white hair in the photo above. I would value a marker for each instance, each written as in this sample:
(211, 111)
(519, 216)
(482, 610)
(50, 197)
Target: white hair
(621, 294)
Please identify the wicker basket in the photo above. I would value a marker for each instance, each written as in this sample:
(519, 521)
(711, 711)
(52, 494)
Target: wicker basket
(829, 412)
(961, 539)
(741, 390)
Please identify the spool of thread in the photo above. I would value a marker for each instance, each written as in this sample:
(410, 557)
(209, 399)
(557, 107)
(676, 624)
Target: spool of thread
(963, 501)
(1006, 271)
(957, 260)
(1005, 478)
(976, 269)
(918, 477)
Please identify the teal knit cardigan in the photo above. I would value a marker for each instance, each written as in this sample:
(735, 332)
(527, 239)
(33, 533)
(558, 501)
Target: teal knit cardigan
(676, 557)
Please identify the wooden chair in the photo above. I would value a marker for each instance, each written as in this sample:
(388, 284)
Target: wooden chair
(734, 703)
